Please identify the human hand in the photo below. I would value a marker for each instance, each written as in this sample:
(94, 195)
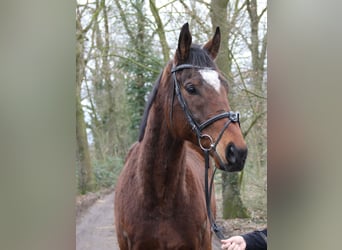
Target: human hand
(234, 243)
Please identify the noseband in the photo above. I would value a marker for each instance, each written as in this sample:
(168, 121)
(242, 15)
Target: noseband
(198, 128)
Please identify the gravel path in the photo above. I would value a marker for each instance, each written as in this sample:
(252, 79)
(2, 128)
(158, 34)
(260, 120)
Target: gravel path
(95, 227)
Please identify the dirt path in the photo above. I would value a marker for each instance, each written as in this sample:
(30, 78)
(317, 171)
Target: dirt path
(95, 227)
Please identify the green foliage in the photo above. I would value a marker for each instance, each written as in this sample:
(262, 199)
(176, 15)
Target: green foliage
(139, 61)
(106, 172)
(141, 74)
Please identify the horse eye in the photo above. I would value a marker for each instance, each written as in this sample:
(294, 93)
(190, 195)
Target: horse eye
(191, 89)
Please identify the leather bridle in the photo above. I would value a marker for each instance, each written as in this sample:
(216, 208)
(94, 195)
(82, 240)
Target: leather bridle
(198, 128)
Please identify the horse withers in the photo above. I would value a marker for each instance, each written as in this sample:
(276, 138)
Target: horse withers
(159, 197)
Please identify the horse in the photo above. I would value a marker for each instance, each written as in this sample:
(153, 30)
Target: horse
(159, 196)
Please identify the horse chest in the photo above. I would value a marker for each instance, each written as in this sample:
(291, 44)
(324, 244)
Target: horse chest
(167, 235)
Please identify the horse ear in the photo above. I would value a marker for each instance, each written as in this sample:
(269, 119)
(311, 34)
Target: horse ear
(184, 43)
(213, 45)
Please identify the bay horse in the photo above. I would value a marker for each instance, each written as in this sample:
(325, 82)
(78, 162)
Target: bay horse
(159, 196)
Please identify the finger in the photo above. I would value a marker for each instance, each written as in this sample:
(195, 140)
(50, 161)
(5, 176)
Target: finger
(226, 245)
(236, 247)
(231, 246)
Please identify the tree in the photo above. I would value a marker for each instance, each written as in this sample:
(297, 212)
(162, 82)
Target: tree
(255, 39)
(232, 206)
(257, 47)
(160, 30)
(82, 153)
(139, 63)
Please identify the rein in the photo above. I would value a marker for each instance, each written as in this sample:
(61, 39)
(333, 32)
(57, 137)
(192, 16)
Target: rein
(197, 128)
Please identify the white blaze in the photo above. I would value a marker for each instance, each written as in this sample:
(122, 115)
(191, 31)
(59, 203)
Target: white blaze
(211, 77)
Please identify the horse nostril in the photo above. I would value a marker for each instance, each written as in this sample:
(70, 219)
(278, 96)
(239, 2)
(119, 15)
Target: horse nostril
(231, 153)
(236, 155)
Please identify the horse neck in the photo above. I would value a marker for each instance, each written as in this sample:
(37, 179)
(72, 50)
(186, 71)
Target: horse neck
(161, 157)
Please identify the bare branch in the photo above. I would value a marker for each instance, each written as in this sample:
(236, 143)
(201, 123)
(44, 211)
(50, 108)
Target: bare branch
(168, 3)
(204, 3)
(256, 118)
(124, 19)
(254, 94)
(262, 12)
(263, 48)
(242, 80)
(160, 31)
(134, 62)
(196, 17)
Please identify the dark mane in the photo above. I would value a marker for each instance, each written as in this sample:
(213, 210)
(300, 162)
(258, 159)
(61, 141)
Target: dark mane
(199, 57)
(147, 108)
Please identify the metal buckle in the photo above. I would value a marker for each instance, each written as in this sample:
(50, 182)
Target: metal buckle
(205, 137)
(234, 116)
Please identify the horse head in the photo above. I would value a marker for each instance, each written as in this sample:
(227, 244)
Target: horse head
(200, 110)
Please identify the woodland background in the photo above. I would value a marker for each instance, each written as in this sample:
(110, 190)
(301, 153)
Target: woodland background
(121, 48)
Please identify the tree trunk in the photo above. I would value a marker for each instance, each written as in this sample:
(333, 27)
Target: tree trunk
(258, 54)
(82, 154)
(108, 85)
(232, 203)
(218, 13)
(96, 129)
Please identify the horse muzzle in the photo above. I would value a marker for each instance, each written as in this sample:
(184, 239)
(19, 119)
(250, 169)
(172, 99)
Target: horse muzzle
(235, 157)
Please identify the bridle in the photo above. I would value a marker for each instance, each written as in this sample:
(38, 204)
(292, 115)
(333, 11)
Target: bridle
(198, 128)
